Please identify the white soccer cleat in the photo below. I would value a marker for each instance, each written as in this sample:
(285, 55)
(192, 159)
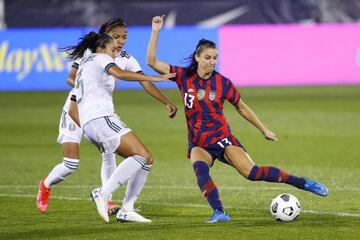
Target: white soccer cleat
(131, 216)
(101, 204)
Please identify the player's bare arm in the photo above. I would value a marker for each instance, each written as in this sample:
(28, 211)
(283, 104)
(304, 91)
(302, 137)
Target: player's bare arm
(133, 76)
(246, 112)
(152, 90)
(157, 65)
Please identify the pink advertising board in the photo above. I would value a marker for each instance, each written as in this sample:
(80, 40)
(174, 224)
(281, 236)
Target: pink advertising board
(267, 55)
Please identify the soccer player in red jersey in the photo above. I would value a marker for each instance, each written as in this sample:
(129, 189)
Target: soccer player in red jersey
(204, 92)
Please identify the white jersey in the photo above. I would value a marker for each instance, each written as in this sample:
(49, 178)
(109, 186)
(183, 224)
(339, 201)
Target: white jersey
(74, 65)
(94, 87)
(124, 60)
(127, 62)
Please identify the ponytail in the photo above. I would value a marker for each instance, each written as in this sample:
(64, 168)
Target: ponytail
(90, 41)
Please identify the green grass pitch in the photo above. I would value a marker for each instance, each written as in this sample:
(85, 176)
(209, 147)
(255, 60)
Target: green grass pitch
(319, 134)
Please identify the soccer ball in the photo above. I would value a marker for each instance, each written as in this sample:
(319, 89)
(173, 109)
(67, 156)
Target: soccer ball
(285, 207)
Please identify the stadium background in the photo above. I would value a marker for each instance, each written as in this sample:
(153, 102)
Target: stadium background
(297, 47)
(261, 43)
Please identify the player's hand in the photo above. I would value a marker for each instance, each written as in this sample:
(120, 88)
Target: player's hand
(172, 109)
(270, 135)
(157, 22)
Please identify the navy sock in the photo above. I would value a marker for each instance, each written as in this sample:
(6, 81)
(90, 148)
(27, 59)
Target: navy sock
(207, 186)
(273, 174)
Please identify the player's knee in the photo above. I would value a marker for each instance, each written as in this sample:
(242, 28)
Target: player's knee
(146, 155)
(149, 159)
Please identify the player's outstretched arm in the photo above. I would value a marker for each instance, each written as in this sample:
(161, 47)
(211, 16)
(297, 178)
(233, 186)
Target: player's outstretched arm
(133, 76)
(246, 112)
(157, 65)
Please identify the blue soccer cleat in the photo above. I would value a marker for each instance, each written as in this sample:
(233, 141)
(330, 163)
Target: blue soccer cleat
(219, 216)
(316, 188)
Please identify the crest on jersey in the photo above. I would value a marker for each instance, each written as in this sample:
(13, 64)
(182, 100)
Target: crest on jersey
(212, 95)
(201, 94)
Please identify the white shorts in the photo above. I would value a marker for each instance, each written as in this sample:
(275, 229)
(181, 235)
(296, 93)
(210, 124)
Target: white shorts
(69, 131)
(105, 132)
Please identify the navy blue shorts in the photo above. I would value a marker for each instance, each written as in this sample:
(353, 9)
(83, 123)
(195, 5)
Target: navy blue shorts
(217, 150)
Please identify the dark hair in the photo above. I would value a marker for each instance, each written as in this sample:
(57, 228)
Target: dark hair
(111, 24)
(90, 41)
(200, 47)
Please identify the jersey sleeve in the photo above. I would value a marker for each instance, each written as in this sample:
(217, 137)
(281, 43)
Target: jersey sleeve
(232, 94)
(105, 62)
(133, 65)
(76, 64)
(179, 72)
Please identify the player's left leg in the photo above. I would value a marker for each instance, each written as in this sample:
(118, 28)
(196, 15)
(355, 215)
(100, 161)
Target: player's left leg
(132, 145)
(240, 160)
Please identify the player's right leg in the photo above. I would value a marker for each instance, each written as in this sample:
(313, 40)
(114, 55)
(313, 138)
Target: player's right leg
(201, 161)
(107, 168)
(69, 165)
(69, 137)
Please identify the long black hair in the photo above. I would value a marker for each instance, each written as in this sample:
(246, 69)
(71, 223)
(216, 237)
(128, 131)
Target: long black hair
(90, 41)
(93, 40)
(111, 24)
(200, 47)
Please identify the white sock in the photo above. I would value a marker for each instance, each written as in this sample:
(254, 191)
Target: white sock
(122, 173)
(108, 166)
(60, 171)
(134, 187)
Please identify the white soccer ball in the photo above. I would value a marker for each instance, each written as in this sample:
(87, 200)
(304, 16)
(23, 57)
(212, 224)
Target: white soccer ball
(285, 207)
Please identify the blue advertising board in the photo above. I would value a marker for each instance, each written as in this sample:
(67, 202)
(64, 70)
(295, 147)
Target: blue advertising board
(31, 59)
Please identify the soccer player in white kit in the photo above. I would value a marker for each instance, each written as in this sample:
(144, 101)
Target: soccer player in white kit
(70, 134)
(95, 84)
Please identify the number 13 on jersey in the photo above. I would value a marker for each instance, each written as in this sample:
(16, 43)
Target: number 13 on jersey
(224, 142)
(189, 100)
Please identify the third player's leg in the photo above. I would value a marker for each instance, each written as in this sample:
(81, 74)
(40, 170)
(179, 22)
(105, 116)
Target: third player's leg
(71, 150)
